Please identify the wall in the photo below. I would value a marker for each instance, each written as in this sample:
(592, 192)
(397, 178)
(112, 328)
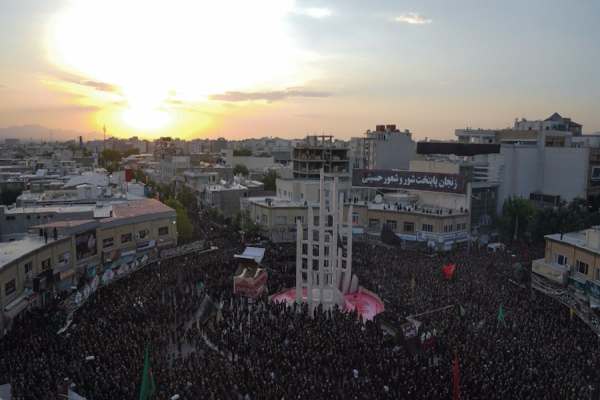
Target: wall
(434, 166)
(14, 228)
(521, 172)
(566, 172)
(393, 152)
(553, 249)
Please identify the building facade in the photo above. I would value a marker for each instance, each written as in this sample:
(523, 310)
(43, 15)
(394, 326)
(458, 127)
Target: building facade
(572, 260)
(63, 255)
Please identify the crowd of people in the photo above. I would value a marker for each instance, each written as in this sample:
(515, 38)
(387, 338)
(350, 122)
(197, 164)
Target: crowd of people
(261, 350)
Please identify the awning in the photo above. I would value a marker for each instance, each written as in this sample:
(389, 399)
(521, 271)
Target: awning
(13, 308)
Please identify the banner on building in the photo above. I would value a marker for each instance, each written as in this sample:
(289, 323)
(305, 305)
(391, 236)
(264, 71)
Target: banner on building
(391, 179)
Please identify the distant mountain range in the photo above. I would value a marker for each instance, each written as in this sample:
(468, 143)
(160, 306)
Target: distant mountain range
(38, 132)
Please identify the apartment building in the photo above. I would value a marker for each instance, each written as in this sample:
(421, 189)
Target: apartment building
(66, 255)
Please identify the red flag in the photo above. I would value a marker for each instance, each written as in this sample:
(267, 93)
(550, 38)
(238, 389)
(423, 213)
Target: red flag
(448, 270)
(455, 378)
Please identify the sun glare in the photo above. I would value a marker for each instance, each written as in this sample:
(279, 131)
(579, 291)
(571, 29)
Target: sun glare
(155, 51)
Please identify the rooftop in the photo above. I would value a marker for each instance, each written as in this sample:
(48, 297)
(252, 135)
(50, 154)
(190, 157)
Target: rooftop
(10, 251)
(50, 209)
(136, 208)
(588, 239)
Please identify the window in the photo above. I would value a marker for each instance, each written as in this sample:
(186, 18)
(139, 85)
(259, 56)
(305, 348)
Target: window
(28, 266)
(596, 173)
(10, 217)
(107, 242)
(127, 237)
(10, 287)
(597, 277)
(562, 260)
(64, 258)
(354, 218)
(409, 227)
(143, 234)
(427, 228)
(373, 223)
(163, 230)
(281, 220)
(264, 219)
(316, 220)
(393, 225)
(46, 264)
(582, 267)
(301, 219)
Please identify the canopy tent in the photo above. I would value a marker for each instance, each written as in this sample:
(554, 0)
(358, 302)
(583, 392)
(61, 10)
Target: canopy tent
(255, 254)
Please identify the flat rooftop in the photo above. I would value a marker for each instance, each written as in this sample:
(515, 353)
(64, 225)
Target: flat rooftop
(136, 208)
(10, 251)
(576, 239)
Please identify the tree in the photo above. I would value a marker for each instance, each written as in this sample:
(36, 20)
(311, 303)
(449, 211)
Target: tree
(516, 216)
(242, 152)
(240, 169)
(187, 198)
(243, 222)
(270, 180)
(575, 216)
(184, 226)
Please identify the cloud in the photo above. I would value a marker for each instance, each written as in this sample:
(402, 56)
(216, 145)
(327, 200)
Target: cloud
(60, 108)
(315, 12)
(75, 79)
(268, 96)
(100, 86)
(413, 18)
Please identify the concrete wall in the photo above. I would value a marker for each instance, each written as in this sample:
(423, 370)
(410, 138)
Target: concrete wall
(558, 171)
(566, 172)
(521, 172)
(395, 151)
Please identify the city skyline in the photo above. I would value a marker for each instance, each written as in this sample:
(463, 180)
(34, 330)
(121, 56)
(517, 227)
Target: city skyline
(288, 68)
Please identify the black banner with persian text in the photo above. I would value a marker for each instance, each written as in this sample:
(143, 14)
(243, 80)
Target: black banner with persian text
(390, 179)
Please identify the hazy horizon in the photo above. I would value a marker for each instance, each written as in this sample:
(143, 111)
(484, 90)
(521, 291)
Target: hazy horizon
(288, 68)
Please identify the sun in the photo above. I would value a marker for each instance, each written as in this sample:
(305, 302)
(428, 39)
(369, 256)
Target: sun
(146, 119)
(155, 52)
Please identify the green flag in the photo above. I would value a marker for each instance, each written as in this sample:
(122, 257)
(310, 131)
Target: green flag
(148, 386)
(501, 316)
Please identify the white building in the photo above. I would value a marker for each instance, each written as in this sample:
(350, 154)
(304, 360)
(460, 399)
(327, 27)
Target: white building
(324, 252)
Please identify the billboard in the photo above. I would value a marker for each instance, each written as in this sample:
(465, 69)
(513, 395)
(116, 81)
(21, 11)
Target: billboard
(391, 179)
(85, 245)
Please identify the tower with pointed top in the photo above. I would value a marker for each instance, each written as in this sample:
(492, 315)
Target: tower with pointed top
(324, 249)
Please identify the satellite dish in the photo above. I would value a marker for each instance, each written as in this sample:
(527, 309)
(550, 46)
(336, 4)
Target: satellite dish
(378, 199)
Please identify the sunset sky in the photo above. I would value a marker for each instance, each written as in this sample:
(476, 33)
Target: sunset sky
(240, 68)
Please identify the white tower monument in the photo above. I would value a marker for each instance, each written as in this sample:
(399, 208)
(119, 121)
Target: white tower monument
(324, 250)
